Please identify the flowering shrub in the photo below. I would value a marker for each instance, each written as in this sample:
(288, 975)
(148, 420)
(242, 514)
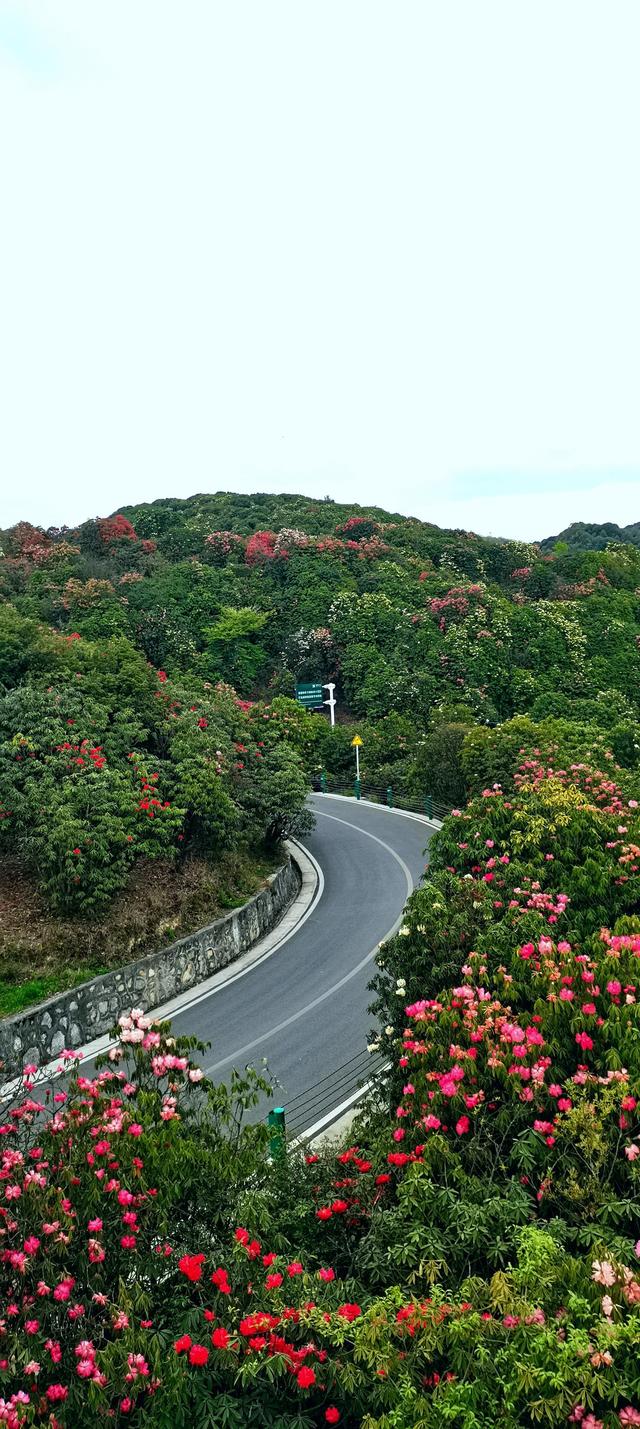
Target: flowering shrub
(132, 1290)
(357, 528)
(117, 765)
(261, 547)
(222, 544)
(115, 528)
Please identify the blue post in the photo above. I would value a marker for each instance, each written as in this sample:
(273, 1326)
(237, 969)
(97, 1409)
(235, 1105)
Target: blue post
(390, 797)
(277, 1143)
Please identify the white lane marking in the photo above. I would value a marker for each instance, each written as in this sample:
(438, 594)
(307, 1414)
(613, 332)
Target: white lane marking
(186, 1000)
(435, 824)
(328, 1119)
(329, 992)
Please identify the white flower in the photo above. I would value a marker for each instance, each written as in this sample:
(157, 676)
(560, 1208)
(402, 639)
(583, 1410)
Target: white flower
(389, 1031)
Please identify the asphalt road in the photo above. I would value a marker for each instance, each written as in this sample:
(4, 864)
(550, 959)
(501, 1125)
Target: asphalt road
(304, 1009)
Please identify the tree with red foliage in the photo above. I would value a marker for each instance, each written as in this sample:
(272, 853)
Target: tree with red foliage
(261, 547)
(115, 528)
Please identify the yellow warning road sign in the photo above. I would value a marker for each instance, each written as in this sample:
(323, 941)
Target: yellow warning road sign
(356, 742)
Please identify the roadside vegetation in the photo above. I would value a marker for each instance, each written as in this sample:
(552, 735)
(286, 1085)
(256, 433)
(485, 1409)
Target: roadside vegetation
(472, 1256)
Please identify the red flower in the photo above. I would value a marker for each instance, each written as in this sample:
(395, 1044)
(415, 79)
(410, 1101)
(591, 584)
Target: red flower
(349, 1312)
(76, 851)
(198, 1354)
(220, 1338)
(273, 1281)
(221, 1281)
(326, 1274)
(332, 1414)
(191, 1266)
(306, 1377)
(184, 1343)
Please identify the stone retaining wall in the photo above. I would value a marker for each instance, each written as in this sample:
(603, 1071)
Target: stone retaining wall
(89, 1010)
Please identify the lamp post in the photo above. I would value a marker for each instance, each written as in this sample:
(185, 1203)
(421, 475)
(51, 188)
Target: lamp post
(330, 686)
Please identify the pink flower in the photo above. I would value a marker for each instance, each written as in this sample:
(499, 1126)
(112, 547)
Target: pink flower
(603, 1272)
(462, 1125)
(56, 1392)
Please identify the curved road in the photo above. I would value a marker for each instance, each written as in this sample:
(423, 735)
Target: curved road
(304, 1009)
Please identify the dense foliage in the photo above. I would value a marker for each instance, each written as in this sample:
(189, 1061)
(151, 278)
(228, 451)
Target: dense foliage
(424, 631)
(473, 1257)
(593, 535)
(472, 1260)
(104, 760)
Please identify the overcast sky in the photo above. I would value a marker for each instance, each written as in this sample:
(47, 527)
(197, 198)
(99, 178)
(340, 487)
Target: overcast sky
(387, 252)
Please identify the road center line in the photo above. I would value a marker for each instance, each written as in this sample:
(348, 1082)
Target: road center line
(330, 991)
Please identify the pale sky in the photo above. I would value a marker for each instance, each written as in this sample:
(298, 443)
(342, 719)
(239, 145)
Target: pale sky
(387, 252)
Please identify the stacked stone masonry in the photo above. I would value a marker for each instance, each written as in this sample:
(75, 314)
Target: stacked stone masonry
(92, 1008)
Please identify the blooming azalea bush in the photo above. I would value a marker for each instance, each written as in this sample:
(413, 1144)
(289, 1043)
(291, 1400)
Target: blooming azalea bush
(156, 1269)
(112, 762)
(101, 1177)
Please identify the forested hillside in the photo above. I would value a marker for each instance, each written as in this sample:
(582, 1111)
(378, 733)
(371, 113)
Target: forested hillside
(472, 1257)
(423, 626)
(151, 752)
(593, 536)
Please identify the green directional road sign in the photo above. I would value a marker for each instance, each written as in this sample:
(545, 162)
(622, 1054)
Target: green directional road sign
(310, 695)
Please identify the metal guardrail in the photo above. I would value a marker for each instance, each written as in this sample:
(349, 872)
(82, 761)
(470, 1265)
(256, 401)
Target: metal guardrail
(338, 1086)
(327, 1096)
(389, 795)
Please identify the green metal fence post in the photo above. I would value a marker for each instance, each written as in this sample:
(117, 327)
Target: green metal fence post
(428, 806)
(390, 796)
(277, 1142)
(323, 782)
(356, 788)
